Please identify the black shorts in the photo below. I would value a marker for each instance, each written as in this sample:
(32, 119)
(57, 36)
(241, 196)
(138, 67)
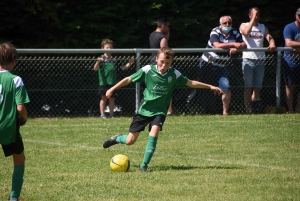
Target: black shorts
(102, 90)
(16, 147)
(140, 122)
(291, 75)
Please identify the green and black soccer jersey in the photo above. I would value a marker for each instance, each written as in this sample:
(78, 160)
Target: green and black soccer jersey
(107, 72)
(159, 88)
(12, 93)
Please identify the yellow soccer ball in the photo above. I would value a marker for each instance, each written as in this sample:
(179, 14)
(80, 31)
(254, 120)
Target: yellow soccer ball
(119, 163)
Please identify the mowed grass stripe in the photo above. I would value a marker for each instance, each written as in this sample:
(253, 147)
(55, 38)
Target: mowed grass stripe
(169, 154)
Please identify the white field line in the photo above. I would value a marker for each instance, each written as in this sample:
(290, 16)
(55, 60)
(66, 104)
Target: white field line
(164, 154)
(166, 123)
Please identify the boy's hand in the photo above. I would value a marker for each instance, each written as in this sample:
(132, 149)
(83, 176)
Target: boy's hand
(98, 63)
(100, 59)
(109, 93)
(131, 61)
(21, 120)
(216, 90)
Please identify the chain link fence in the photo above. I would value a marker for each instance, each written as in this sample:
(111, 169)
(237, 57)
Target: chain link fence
(62, 83)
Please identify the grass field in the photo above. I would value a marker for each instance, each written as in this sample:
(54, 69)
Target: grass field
(243, 157)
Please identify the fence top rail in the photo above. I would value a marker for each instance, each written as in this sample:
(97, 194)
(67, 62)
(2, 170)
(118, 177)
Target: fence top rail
(136, 50)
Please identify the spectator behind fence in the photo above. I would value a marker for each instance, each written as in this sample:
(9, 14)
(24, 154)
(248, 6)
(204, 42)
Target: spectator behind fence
(253, 34)
(158, 39)
(223, 36)
(13, 114)
(160, 81)
(106, 66)
(291, 62)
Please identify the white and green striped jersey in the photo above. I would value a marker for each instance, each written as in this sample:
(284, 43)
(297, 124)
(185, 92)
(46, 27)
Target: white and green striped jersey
(159, 88)
(12, 93)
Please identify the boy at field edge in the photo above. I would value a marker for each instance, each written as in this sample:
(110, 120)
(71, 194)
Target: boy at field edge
(13, 95)
(160, 81)
(106, 66)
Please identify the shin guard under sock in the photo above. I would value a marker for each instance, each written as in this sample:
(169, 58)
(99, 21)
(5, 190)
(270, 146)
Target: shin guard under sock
(150, 148)
(17, 181)
(121, 139)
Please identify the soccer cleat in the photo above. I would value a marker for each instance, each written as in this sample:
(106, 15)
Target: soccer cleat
(110, 141)
(103, 117)
(143, 168)
(15, 199)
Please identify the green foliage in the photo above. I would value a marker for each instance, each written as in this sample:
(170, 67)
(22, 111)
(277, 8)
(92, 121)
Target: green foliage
(244, 157)
(83, 24)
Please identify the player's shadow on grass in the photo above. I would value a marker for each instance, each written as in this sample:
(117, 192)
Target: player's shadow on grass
(166, 168)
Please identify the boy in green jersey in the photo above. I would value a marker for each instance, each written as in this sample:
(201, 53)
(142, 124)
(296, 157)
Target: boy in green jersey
(106, 66)
(13, 114)
(160, 81)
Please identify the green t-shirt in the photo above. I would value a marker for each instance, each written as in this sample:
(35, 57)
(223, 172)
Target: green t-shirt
(12, 94)
(159, 88)
(107, 72)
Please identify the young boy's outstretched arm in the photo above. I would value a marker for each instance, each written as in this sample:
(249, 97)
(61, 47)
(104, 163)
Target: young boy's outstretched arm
(196, 84)
(122, 83)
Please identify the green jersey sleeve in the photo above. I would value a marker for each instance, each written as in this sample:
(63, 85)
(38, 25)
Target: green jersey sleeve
(21, 96)
(181, 79)
(139, 76)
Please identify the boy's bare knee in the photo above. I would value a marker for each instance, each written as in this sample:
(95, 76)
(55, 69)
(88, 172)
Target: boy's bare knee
(131, 138)
(19, 159)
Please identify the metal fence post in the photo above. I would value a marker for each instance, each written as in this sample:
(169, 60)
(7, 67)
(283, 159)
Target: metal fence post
(278, 78)
(138, 85)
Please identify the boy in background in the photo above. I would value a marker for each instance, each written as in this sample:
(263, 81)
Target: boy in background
(107, 73)
(13, 114)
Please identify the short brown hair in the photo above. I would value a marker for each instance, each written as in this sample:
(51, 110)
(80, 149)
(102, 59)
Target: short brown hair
(8, 54)
(106, 41)
(167, 51)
